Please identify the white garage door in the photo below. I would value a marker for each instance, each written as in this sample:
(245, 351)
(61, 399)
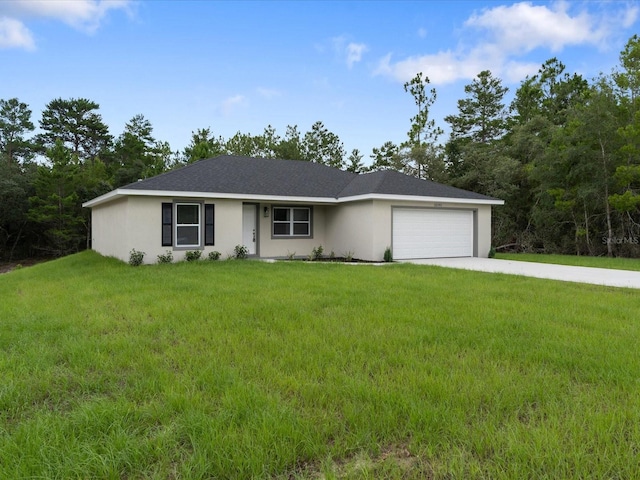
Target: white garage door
(432, 233)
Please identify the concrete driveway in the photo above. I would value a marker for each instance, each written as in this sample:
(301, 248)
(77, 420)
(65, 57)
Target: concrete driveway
(595, 276)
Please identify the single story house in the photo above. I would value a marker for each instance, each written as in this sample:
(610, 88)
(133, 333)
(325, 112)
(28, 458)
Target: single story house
(281, 208)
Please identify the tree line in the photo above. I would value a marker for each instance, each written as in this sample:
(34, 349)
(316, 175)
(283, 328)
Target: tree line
(564, 155)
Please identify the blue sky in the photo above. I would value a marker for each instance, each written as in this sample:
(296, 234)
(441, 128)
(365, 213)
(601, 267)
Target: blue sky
(240, 66)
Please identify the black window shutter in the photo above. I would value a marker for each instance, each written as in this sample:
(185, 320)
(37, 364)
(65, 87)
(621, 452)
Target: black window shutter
(167, 224)
(208, 224)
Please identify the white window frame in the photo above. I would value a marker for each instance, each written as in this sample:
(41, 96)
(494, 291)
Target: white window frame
(291, 223)
(177, 225)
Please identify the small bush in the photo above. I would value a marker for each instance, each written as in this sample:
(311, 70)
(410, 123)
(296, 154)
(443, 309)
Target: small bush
(166, 257)
(316, 253)
(348, 256)
(240, 252)
(492, 252)
(136, 258)
(192, 255)
(387, 255)
(214, 256)
(291, 255)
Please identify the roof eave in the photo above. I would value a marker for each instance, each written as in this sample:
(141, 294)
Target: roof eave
(121, 192)
(417, 198)
(232, 196)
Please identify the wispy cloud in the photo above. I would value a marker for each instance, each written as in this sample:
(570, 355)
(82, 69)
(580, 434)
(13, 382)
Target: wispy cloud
(349, 52)
(268, 93)
(231, 104)
(354, 53)
(13, 34)
(83, 15)
(502, 35)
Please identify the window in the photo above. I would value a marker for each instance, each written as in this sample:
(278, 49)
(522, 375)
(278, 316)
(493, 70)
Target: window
(184, 225)
(291, 222)
(187, 224)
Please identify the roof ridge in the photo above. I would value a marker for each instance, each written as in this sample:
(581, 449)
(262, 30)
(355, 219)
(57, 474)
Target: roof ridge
(360, 176)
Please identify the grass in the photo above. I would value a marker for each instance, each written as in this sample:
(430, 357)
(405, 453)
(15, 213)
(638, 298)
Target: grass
(243, 369)
(580, 261)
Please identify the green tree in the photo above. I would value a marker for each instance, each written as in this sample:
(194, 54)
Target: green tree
(137, 154)
(319, 145)
(290, 147)
(55, 206)
(481, 115)
(77, 125)
(550, 93)
(15, 123)
(203, 145)
(387, 157)
(15, 190)
(626, 200)
(266, 144)
(354, 161)
(541, 107)
(421, 153)
(477, 158)
(242, 144)
(575, 176)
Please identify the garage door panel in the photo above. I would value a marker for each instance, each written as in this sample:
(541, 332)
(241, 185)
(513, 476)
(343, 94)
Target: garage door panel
(432, 233)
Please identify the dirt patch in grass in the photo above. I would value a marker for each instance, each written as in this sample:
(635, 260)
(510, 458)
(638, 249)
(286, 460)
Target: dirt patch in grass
(6, 267)
(393, 462)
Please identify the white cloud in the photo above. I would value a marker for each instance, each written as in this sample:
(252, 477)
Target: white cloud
(350, 52)
(84, 15)
(422, 32)
(522, 27)
(354, 53)
(503, 34)
(229, 105)
(630, 16)
(13, 34)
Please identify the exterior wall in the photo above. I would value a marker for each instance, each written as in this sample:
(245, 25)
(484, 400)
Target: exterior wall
(351, 228)
(482, 221)
(365, 228)
(106, 237)
(135, 222)
(273, 247)
(362, 229)
(484, 230)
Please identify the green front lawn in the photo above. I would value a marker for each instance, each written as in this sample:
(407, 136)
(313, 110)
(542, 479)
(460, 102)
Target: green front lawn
(242, 369)
(582, 261)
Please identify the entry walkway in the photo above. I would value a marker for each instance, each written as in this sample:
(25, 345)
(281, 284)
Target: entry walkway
(566, 273)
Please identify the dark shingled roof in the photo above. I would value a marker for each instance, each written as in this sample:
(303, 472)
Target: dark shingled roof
(292, 178)
(390, 182)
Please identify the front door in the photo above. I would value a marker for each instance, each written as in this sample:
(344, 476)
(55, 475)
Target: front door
(249, 226)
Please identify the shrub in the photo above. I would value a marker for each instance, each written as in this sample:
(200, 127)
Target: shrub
(291, 255)
(214, 255)
(492, 252)
(166, 257)
(387, 255)
(316, 253)
(348, 256)
(136, 258)
(192, 255)
(240, 252)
